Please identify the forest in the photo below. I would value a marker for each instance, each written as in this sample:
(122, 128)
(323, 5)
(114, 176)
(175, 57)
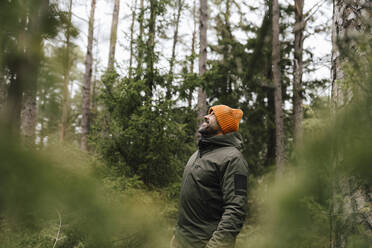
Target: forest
(101, 100)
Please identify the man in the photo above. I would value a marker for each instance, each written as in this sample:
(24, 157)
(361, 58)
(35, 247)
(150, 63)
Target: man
(213, 198)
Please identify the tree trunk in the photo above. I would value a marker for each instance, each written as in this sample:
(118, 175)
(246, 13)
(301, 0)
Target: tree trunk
(87, 81)
(150, 53)
(140, 43)
(14, 97)
(66, 75)
(3, 89)
(203, 26)
(28, 112)
(227, 50)
(114, 32)
(33, 57)
(192, 51)
(297, 68)
(173, 57)
(350, 196)
(131, 38)
(279, 127)
(346, 24)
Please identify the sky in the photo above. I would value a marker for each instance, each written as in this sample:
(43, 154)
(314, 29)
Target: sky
(319, 44)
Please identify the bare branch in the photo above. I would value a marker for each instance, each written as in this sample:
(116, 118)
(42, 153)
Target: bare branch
(59, 228)
(313, 10)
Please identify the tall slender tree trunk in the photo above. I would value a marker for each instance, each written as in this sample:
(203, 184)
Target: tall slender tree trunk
(33, 57)
(94, 87)
(227, 50)
(66, 75)
(203, 26)
(298, 68)
(173, 57)
(131, 39)
(192, 50)
(114, 32)
(150, 45)
(347, 22)
(87, 81)
(17, 77)
(350, 195)
(42, 130)
(279, 132)
(140, 43)
(14, 97)
(3, 89)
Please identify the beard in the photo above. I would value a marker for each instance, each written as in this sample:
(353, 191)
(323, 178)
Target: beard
(206, 130)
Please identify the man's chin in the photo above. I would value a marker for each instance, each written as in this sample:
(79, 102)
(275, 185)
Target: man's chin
(205, 132)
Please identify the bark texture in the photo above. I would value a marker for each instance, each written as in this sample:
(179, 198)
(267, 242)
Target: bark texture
(150, 47)
(33, 46)
(203, 26)
(351, 196)
(346, 26)
(140, 43)
(87, 81)
(113, 36)
(66, 75)
(131, 39)
(298, 70)
(193, 41)
(3, 89)
(279, 127)
(175, 40)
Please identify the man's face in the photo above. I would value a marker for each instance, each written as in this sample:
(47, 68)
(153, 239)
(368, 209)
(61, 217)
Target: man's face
(210, 126)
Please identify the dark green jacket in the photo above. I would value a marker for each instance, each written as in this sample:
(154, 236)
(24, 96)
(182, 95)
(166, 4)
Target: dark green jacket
(213, 198)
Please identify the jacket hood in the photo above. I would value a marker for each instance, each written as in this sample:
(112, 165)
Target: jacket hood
(232, 139)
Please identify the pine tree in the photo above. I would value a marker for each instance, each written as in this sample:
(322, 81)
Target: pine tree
(350, 193)
(203, 26)
(113, 36)
(279, 127)
(298, 70)
(87, 81)
(140, 39)
(132, 39)
(179, 5)
(66, 72)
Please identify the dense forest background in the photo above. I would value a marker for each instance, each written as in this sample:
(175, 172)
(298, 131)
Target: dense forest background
(93, 146)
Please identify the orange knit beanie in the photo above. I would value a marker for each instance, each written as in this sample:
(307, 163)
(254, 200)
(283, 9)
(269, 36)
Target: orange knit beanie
(228, 118)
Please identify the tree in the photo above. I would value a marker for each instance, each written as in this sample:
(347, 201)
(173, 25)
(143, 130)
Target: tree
(203, 26)
(21, 37)
(179, 5)
(140, 40)
(193, 41)
(150, 48)
(87, 81)
(350, 193)
(3, 89)
(113, 36)
(298, 70)
(66, 65)
(279, 127)
(34, 47)
(132, 39)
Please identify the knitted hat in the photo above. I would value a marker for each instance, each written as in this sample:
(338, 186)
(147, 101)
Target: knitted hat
(227, 118)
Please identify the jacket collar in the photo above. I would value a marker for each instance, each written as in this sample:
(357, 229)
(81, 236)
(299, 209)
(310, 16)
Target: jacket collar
(232, 139)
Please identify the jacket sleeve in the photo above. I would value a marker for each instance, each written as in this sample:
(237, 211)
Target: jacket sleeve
(234, 191)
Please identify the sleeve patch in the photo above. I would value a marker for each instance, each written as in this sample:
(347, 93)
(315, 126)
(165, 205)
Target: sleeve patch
(240, 184)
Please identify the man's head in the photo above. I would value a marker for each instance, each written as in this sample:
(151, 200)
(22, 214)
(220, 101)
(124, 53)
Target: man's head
(221, 119)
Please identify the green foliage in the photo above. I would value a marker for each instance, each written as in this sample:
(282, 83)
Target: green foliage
(147, 138)
(54, 195)
(325, 196)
